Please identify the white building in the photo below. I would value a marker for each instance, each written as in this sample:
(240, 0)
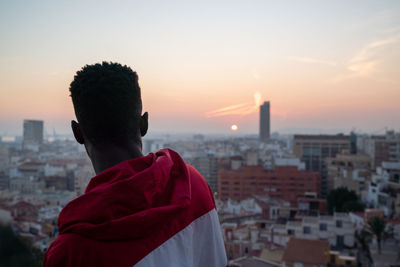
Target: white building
(337, 229)
(244, 207)
(385, 177)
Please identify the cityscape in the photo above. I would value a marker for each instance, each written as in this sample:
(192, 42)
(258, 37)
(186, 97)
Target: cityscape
(288, 109)
(315, 200)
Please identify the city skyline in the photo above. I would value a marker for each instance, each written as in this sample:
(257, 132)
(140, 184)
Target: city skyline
(330, 67)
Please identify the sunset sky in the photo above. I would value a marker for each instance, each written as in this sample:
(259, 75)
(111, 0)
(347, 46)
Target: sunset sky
(204, 65)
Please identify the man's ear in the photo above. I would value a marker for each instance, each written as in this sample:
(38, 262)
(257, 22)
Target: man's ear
(144, 124)
(77, 132)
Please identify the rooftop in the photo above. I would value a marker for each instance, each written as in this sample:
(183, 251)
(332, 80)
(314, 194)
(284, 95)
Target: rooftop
(321, 137)
(306, 251)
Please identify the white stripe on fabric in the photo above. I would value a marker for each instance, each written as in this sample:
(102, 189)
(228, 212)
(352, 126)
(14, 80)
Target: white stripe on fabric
(199, 244)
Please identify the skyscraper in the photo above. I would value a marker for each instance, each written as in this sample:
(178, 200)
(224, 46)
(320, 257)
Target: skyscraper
(33, 132)
(264, 121)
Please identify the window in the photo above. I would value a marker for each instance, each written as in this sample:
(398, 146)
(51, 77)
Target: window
(306, 151)
(290, 232)
(306, 230)
(339, 224)
(396, 178)
(382, 200)
(316, 151)
(323, 227)
(339, 241)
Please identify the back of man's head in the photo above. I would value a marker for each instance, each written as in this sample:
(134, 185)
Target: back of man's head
(107, 103)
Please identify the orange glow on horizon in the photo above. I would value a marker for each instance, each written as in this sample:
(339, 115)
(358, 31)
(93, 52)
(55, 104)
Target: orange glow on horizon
(210, 73)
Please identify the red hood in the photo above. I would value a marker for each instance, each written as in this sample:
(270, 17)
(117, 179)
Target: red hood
(128, 200)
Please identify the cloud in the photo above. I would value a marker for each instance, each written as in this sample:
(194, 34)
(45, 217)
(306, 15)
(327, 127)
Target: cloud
(312, 61)
(366, 54)
(364, 63)
(238, 109)
(227, 109)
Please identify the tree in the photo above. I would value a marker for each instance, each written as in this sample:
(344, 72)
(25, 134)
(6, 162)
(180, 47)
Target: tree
(353, 206)
(363, 238)
(377, 227)
(15, 251)
(343, 200)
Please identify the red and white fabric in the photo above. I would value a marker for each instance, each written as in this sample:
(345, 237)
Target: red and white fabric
(149, 211)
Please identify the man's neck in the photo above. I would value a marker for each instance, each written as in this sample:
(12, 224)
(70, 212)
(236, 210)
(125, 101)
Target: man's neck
(106, 156)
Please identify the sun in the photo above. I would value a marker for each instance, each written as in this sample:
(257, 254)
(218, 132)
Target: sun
(234, 128)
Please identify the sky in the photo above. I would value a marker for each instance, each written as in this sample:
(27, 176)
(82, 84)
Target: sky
(206, 65)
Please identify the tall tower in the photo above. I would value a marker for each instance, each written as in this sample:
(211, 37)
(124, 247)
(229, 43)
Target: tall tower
(33, 132)
(265, 121)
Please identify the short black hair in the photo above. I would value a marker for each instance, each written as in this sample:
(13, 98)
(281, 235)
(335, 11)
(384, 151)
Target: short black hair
(107, 102)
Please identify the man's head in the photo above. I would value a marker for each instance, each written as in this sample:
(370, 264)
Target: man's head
(108, 105)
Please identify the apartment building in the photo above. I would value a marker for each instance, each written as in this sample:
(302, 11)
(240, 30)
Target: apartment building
(314, 149)
(338, 230)
(382, 147)
(348, 170)
(283, 182)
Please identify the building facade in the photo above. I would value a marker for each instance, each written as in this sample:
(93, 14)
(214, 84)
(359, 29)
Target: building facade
(387, 148)
(207, 165)
(348, 170)
(338, 230)
(283, 182)
(382, 147)
(33, 133)
(314, 149)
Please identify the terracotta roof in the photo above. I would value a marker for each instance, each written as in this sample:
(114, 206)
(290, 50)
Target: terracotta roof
(306, 251)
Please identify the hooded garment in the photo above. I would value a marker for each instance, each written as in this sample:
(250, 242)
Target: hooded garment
(149, 211)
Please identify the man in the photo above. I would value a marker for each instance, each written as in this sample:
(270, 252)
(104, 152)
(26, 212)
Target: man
(152, 210)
